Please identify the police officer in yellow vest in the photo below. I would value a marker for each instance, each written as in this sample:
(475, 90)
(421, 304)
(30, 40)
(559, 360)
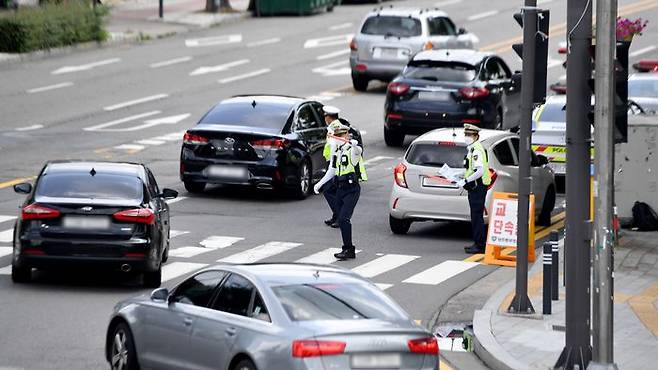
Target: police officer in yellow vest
(476, 180)
(346, 170)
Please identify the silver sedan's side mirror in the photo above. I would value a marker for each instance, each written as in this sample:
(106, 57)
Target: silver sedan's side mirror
(160, 295)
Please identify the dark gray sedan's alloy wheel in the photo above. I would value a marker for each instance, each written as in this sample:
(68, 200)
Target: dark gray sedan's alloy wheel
(122, 355)
(304, 178)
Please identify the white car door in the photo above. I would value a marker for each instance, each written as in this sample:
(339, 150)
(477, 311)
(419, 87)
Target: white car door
(540, 177)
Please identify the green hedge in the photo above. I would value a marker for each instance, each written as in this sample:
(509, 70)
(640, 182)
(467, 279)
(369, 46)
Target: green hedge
(51, 26)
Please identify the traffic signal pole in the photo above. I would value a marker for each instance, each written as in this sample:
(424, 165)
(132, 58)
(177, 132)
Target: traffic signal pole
(604, 236)
(521, 303)
(577, 350)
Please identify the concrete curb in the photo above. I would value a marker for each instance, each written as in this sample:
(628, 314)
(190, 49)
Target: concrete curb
(120, 39)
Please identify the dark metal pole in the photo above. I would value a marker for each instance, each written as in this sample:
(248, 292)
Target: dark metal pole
(521, 303)
(547, 259)
(555, 260)
(578, 350)
(161, 9)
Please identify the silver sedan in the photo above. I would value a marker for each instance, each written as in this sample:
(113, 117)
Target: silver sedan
(268, 316)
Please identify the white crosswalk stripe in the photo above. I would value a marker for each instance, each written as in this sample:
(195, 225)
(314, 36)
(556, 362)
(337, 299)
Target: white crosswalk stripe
(7, 236)
(323, 257)
(219, 242)
(175, 233)
(441, 272)
(175, 269)
(187, 252)
(260, 253)
(5, 270)
(383, 264)
(5, 218)
(6, 251)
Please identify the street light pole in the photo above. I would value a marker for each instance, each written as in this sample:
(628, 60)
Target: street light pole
(604, 237)
(578, 351)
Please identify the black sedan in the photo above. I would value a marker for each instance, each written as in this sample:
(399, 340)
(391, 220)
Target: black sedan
(264, 141)
(93, 214)
(447, 88)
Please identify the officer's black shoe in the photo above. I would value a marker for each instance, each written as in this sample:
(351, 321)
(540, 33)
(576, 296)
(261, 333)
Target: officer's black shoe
(346, 254)
(330, 222)
(335, 225)
(473, 249)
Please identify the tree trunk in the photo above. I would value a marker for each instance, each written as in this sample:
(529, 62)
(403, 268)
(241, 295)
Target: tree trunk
(225, 5)
(210, 6)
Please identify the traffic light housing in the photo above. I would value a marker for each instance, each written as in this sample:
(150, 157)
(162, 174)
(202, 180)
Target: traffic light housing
(541, 52)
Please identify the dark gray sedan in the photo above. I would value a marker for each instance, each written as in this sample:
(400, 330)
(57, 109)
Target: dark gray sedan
(268, 316)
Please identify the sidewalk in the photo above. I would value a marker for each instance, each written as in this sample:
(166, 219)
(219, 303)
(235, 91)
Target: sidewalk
(506, 341)
(138, 19)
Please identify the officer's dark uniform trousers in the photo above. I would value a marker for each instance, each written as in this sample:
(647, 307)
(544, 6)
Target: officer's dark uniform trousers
(476, 199)
(348, 191)
(329, 193)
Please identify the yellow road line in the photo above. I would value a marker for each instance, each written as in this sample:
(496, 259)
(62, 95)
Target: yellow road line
(443, 365)
(645, 310)
(561, 29)
(13, 182)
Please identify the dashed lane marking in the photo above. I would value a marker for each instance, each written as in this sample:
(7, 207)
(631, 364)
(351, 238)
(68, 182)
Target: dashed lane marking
(170, 62)
(341, 68)
(340, 26)
(104, 126)
(213, 41)
(4, 218)
(244, 76)
(7, 236)
(130, 148)
(49, 87)
(175, 233)
(333, 54)
(85, 67)
(447, 2)
(218, 68)
(29, 128)
(259, 253)
(376, 159)
(150, 142)
(328, 41)
(129, 103)
(482, 15)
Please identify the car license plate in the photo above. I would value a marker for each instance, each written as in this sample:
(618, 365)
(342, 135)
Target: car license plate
(434, 95)
(227, 172)
(376, 361)
(558, 167)
(390, 53)
(437, 182)
(87, 222)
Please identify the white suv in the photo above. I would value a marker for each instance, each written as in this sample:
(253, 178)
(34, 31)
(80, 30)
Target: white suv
(420, 194)
(389, 37)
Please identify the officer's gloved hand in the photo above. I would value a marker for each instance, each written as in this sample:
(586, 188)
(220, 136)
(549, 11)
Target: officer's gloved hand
(461, 183)
(354, 142)
(316, 189)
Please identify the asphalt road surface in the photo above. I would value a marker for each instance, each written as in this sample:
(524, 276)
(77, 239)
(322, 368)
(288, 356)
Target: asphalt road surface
(133, 102)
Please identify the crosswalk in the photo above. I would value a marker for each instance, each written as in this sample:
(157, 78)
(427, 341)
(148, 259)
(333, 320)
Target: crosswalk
(194, 253)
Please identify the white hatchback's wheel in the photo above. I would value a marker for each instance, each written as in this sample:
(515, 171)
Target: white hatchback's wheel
(122, 354)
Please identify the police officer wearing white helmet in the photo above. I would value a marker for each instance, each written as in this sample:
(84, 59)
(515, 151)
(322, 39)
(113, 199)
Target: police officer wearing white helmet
(476, 180)
(343, 172)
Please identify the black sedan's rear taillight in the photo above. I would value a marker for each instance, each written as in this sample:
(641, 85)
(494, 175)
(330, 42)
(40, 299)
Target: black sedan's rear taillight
(136, 215)
(37, 212)
(193, 139)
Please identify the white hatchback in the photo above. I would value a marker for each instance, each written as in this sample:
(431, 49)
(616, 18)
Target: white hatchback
(420, 194)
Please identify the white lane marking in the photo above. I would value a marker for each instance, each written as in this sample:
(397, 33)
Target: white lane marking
(85, 67)
(175, 200)
(334, 54)
(320, 97)
(171, 62)
(375, 159)
(4, 218)
(443, 271)
(450, 344)
(334, 69)
(246, 75)
(102, 126)
(131, 147)
(150, 142)
(642, 51)
(29, 128)
(174, 136)
(273, 40)
(176, 269)
(50, 87)
(541, 2)
(447, 2)
(169, 120)
(187, 252)
(175, 233)
(5, 270)
(260, 252)
(323, 257)
(7, 236)
(364, 132)
(145, 99)
(218, 68)
(213, 40)
(382, 264)
(340, 26)
(219, 242)
(6, 251)
(475, 17)
(328, 41)
(382, 286)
